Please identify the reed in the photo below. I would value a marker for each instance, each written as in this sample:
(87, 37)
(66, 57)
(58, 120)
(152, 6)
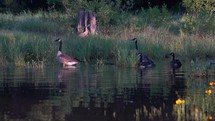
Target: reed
(20, 49)
(88, 49)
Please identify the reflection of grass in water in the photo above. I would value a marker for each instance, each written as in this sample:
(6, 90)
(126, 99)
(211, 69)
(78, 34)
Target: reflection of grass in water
(198, 104)
(152, 113)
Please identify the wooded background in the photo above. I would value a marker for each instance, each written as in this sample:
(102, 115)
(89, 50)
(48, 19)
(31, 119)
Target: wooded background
(20, 5)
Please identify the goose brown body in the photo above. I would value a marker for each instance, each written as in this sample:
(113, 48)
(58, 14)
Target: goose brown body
(66, 60)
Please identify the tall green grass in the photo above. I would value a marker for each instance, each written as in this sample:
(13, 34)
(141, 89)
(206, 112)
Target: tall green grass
(88, 49)
(26, 39)
(38, 22)
(20, 49)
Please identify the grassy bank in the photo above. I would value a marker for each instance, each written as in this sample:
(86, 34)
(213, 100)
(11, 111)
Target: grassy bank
(27, 39)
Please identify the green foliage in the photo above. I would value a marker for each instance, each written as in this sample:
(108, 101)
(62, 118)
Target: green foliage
(154, 16)
(106, 15)
(200, 17)
(197, 6)
(128, 4)
(106, 11)
(203, 23)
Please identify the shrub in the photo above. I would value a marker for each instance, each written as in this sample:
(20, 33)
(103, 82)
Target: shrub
(197, 6)
(106, 10)
(154, 16)
(200, 16)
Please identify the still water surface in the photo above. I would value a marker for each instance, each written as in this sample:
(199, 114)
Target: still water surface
(106, 93)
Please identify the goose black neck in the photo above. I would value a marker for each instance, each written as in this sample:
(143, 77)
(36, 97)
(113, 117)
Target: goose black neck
(173, 56)
(60, 46)
(136, 45)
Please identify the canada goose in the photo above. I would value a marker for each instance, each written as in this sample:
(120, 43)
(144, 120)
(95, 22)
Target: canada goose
(144, 61)
(86, 25)
(63, 58)
(175, 63)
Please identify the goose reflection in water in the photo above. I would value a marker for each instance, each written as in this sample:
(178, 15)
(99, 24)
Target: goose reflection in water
(149, 95)
(64, 74)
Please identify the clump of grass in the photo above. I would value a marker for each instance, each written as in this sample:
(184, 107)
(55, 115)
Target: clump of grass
(199, 69)
(20, 62)
(20, 49)
(99, 62)
(125, 55)
(90, 49)
(121, 59)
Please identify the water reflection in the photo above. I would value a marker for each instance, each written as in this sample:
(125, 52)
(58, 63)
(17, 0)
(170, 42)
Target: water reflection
(63, 75)
(107, 93)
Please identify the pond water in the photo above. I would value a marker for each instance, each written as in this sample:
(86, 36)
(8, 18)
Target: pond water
(105, 93)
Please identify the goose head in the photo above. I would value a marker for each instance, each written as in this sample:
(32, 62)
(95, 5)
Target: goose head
(134, 39)
(172, 53)
(58, 40)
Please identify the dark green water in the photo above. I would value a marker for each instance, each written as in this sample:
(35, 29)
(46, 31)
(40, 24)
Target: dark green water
(91, 93)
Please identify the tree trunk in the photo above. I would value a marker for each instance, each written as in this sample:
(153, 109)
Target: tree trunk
(86, 23)
(93, 27)
(81, 19)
